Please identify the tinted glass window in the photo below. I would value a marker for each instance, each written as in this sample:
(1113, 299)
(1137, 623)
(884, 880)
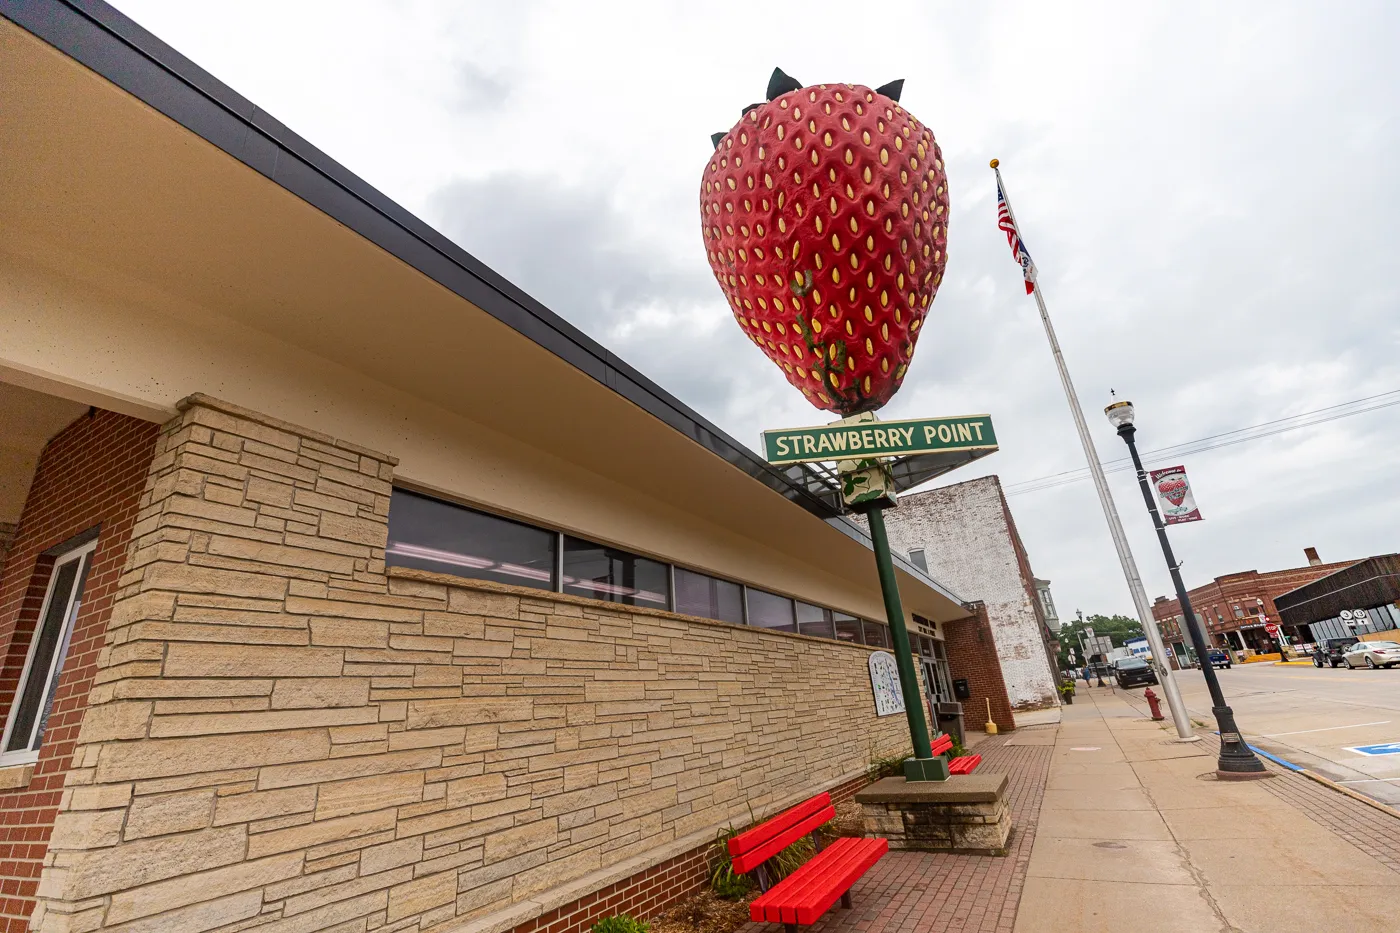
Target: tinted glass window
(814, 620)
(876, 634)
(602, 572)
(429, 534)
(1131, 664)
(709, 598)
(769, 610)
(848, 628)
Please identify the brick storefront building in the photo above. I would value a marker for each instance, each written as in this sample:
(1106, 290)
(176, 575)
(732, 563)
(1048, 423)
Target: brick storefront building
(1233, 609)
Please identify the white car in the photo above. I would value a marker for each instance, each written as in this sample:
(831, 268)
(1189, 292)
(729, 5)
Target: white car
(1373, 654)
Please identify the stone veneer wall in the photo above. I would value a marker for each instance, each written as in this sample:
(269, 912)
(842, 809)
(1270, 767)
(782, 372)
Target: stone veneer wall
(284, 737)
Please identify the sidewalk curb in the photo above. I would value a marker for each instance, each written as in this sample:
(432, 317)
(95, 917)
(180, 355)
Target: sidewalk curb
(1328, 782)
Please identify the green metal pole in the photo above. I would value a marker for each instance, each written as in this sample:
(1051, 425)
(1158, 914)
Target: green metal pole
(904, 658)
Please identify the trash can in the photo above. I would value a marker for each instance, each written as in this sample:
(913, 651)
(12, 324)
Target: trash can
(950, 720)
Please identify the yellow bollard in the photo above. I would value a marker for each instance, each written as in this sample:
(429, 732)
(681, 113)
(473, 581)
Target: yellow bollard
(991, 726)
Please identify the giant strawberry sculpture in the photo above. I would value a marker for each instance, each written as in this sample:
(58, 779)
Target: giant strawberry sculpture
(825, 213)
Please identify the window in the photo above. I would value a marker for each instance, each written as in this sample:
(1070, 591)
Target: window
(814, 620)
(769, 610)
(876, 634)
(33, 700)
(708, 597)
(429, 534)
(848, 628)
(602, 572)
(1239, 613)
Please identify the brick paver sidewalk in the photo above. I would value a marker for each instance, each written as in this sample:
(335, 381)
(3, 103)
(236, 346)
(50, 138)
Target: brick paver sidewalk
(933, 891)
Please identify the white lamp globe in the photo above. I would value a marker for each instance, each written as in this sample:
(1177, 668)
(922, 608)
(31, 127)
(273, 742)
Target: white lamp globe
(1119, 413)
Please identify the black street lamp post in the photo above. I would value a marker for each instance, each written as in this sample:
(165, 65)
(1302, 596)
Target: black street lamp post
(1237, 760)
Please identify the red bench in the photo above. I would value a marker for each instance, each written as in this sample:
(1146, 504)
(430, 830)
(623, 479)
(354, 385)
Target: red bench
(803, 896)
(964, 765)
(942, 744)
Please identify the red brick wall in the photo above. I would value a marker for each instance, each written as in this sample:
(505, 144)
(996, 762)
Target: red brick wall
(972, 654)
(648, 893)
(92, 473)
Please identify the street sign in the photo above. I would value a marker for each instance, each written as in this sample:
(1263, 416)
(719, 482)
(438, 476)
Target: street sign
(1271, 628)
(1384, 748)
(850, 440)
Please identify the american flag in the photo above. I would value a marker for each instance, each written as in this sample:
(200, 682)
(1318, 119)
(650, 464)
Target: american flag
(1013, 239)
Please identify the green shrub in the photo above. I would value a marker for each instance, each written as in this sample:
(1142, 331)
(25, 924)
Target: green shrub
(724, 881)
(729, 884)
(883, 766)
(792, 858)
(622, 923)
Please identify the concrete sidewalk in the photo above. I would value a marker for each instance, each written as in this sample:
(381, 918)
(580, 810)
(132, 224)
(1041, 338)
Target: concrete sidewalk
(1136, 834)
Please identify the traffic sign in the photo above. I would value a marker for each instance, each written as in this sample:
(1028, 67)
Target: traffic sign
(1271, 628)
(864, 440)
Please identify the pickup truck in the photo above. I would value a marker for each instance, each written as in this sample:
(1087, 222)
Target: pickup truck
(1219, 658)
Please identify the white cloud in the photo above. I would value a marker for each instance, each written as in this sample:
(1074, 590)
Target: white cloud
(1205, 189)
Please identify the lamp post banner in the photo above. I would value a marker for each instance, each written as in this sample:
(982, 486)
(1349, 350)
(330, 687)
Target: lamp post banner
(1174, 496)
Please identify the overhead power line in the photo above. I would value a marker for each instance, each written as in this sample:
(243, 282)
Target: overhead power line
(1253, 432)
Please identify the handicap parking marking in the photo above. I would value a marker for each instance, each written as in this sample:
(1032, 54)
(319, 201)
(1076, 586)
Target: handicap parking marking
(1383, 748)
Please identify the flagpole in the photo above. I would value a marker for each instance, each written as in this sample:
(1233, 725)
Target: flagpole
(1180, 718)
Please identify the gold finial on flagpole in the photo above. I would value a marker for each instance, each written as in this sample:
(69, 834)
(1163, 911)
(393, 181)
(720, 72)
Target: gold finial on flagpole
(995, 163)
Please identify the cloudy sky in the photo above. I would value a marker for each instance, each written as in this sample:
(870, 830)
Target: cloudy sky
(1208, 193)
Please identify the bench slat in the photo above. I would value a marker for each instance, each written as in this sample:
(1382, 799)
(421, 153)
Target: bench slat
(757, 856)
(823, 885)
(799, 884)
(766, 830)
(809, 892)
(942, 744)
(964, 765)
(851, 870)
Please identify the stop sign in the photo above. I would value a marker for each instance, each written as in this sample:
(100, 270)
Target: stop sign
(1271, 628)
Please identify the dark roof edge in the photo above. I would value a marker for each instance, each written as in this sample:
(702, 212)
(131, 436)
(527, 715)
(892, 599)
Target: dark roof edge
(106, 41)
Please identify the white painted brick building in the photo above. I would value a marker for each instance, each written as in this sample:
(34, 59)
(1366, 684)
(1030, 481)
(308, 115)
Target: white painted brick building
(970, 543)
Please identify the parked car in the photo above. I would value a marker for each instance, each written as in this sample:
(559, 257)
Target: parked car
(1219, 658)
(1373, 654)
(1329, 653)
(1135, 672)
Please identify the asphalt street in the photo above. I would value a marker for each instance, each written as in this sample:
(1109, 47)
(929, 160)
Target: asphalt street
(1313, 718)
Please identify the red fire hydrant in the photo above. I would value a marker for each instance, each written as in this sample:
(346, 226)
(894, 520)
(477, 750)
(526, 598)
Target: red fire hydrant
(1154, 703)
